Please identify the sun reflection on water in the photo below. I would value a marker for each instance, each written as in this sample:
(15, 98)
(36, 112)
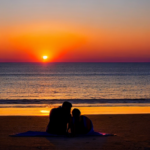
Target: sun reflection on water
(84, 110)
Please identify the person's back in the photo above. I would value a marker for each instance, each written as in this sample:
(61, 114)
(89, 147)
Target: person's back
(59, 117)
(57, 124)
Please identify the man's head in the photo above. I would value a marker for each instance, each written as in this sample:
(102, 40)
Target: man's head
(66, 106)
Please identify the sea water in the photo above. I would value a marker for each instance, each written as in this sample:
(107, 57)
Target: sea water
(83, 84)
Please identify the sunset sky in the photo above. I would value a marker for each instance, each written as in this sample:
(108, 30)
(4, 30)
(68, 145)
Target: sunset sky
(75, 30)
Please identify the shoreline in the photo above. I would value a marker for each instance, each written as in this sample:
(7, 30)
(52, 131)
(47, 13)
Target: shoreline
(44, 111)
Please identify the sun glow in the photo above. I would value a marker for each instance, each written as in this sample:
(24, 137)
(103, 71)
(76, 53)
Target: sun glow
(45, 57)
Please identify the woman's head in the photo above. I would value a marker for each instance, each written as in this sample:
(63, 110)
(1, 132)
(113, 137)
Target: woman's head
(76, 113)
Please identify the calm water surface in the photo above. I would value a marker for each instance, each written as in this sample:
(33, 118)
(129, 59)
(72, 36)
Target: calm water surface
(38, 81)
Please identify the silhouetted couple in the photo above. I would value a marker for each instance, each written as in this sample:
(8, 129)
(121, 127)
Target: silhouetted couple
(61, 121)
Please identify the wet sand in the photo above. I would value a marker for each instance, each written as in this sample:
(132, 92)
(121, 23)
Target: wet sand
(133, 132)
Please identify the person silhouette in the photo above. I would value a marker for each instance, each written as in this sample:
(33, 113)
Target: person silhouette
(59, 118)
(80, 124)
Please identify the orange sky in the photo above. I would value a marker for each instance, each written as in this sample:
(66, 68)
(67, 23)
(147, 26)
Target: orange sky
(78, 32)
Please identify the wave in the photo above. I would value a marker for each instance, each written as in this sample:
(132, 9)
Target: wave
(74, 101)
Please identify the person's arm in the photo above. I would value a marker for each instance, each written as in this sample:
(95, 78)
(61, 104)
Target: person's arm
(72, 127)
(69, 125)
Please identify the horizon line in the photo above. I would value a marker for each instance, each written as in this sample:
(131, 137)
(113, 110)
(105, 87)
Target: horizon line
(80, 62)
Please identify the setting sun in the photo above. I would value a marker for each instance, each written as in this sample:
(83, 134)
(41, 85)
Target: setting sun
(45, 57)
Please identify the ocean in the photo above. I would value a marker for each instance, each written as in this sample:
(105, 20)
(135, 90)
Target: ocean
(83, 84)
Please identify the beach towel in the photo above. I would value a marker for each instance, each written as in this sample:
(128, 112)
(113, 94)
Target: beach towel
(45, 134)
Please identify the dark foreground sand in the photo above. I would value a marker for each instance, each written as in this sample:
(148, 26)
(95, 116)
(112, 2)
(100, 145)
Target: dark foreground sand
(133, 132)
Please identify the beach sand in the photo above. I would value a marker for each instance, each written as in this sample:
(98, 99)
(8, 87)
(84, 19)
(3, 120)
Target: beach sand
(133, 132)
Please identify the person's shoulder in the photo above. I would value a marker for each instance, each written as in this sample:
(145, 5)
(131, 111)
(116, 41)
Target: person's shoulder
(58, 109)
(85, 118)
(55, 109)
(82, 116)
